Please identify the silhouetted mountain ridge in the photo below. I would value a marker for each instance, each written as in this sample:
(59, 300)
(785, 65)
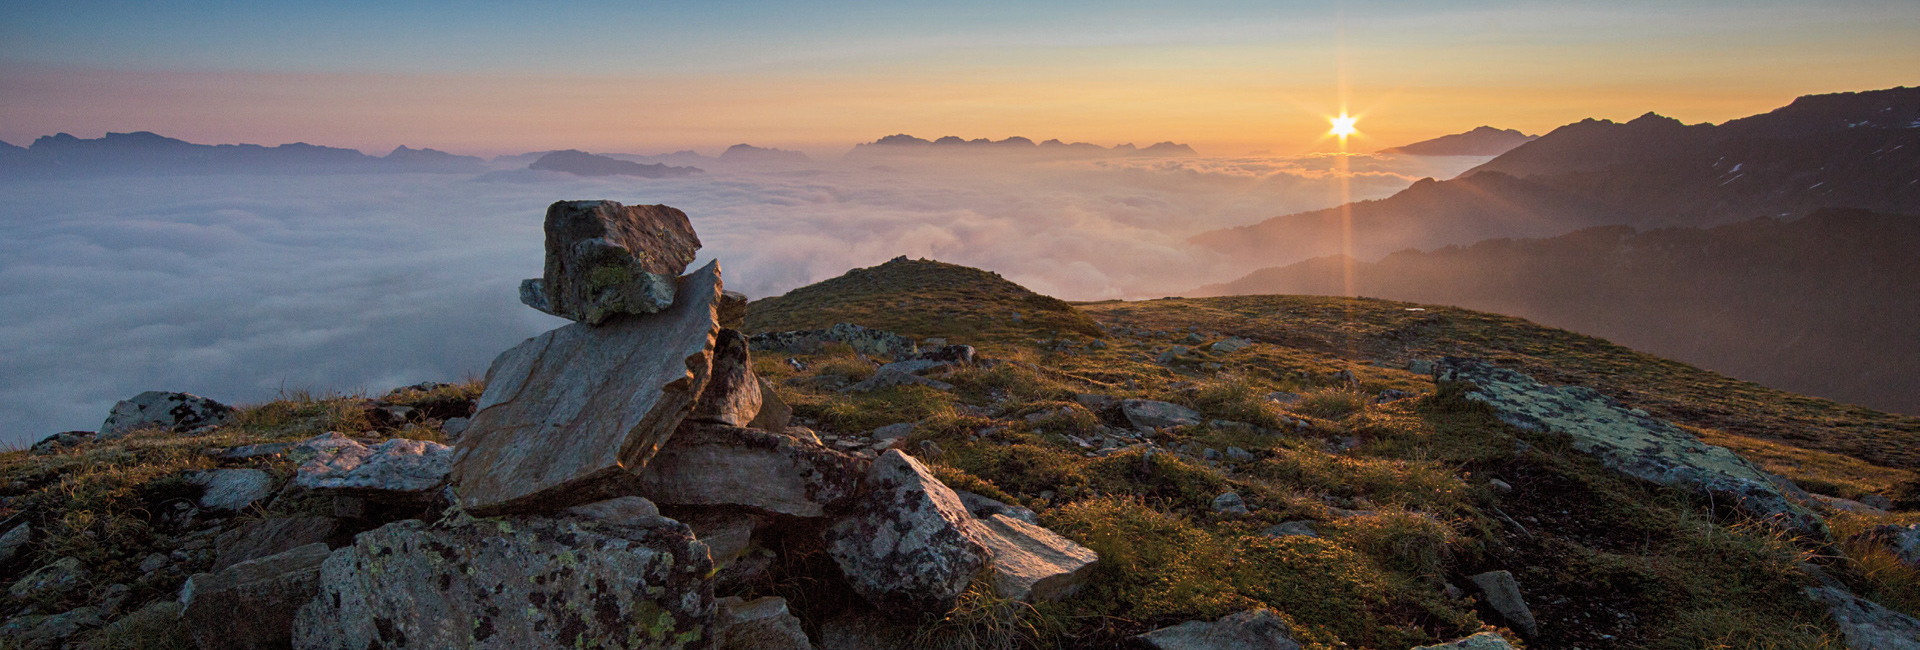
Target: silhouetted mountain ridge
(144, 152)
(581, 163)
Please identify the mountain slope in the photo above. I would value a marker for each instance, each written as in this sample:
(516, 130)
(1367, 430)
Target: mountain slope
(1855, 150)
(1823, 305)
(1481, 141)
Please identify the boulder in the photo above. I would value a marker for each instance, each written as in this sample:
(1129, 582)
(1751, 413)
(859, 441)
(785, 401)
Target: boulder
(1149, 414)
(15, 540)
(618, 510)
(1866, 625)
(38, 632)
(1481, 641)
(711, 465)
(231, 489)
(1230, 503)
(732, 309)
(59, 442)
(895, 430)
(1503, 595)
(605, 259)
(727, 533)
(160, 409)
(1033, 564)
(774, 415)
(1296, 528)
(891, 377)
(760, 624)
(732, 396)
(453, 427)
(399, 469)
(251, 604)
(51, 582)
(910, 548)
(522, 583)
(568, 417)
(861, 339)
(263, 537)
(1254, 629)
(1635, 444)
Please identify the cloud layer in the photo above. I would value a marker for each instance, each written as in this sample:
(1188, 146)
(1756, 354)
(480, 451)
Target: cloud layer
(239, 287)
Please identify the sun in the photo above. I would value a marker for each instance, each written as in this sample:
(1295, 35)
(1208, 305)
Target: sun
(1343, 125)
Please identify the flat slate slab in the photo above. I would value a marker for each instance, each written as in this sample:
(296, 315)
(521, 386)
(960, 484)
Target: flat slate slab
(571, 416)
(1634, 443)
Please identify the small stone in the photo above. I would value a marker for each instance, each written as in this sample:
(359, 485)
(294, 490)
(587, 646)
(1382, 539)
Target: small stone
(1149, 414)
(1238, 455)
(1210, 454)
(1296, 528)
(160, 409)
(891, 431)
(1256, 629)
(154, 562)
(774, 414)
(1500, 486)
(1503, 595)
(1230, 503)
(1231, 345)
(1866, 625)
(1902, 541)
(1193, 339)
(983, 507)
(1283, 397)
(453, 427)
(1097, 344)
(59, 442)
(1096, 402)
(760, 624)
(231, 490)
(732, 309)
(1391, 395)
(1420, 366)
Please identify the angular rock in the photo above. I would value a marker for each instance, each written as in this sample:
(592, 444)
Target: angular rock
(15, 540)
(568, 417)
(1503, 595)
(760, 624)
(891, 431)
(911, 548)
(1902, 541)
(726, 533)
(1033, 564)
(1297, 528)
(1096, 402)
(618, 510)
(981, 507)
(50, 582)
(1634, 443)
(1231, 345)
(1866, 625)
(252, 604)
(711, 465)
(774, 415)
(1481, 641)
(1149, 414)
(161, 409)
(521, 583)
(1254, 629)
(732, 309)
(865, 631)
(231, 489)
(732, 396)
(605, 259)
(32, 632)
(263, 537)
(399, 469)
(453, 427)
(861, 339)
(59, 442)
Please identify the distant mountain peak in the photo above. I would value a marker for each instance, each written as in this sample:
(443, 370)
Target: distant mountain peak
(1481, 141)
(744, 152)
(581, 163)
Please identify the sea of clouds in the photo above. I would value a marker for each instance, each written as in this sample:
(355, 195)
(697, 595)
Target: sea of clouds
(242, 287)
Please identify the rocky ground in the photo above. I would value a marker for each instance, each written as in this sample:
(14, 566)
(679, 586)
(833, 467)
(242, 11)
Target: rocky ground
(919, 454)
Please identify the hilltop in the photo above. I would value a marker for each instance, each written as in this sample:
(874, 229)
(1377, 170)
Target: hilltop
(1481, 141)
(1322, 474)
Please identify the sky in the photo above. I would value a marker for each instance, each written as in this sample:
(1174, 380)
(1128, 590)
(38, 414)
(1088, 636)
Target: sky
(1228, 78)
